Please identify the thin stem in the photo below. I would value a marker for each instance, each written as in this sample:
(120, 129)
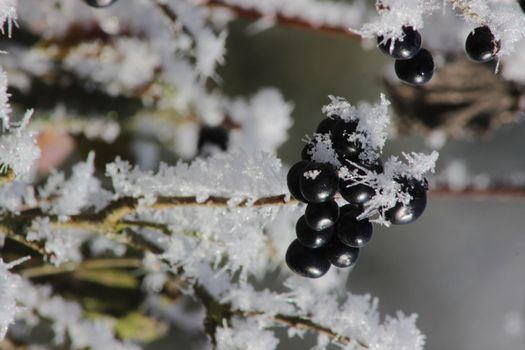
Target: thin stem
(285, 20)
(94, 264)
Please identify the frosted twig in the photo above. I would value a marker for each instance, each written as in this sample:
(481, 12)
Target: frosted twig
(285, 20)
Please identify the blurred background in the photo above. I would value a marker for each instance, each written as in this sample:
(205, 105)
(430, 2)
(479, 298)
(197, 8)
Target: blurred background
(461, 267)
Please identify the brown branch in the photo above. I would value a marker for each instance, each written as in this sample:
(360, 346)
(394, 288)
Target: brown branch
(490, 193)
(285, 20)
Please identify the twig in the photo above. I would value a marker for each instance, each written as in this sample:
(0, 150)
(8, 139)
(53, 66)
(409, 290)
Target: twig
(285, 20)
(94, 264)
(489, 193)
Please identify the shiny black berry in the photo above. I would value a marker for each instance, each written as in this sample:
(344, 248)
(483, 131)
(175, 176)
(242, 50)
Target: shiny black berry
(319, 182)
(404, 48)
(339, 254)
(356, 194)
(481, 46)
(305, 261)
(354, 233)
(311, 238)
(294, 175)
(416, 71)
(213, 136)
(320, 216)
(327, 124)
(100, 3)
(350, 209)
(341, 133)
(407, 213)
(522, 4)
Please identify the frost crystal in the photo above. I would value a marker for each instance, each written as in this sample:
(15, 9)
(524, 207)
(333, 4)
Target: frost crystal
(10, 287)
(237, 175)
(7, 15)
(18, 148)
(245, 335)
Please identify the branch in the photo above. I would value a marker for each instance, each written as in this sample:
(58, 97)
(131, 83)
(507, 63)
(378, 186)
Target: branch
(285, 20)
(504, 192)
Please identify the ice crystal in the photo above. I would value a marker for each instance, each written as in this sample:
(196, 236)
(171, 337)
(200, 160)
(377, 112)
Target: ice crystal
(10, 287)
(7, 15)
(18, 148)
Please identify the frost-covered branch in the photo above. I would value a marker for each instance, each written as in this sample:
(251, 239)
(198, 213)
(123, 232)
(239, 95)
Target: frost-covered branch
(327, 17)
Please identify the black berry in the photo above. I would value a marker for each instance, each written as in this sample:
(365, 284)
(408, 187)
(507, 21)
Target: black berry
(100, 3)
(354, 233)
(319, 182)
(407, 213)
(416, 71)
(481, 46)
(326, 125)
(294, 175)
(341, 133)
(402, 49)
(339, 254)
(311, 238)
(213, 136)
(522, 4)
(305, 261)
(356, 194)
(320, 216)
(306, 153)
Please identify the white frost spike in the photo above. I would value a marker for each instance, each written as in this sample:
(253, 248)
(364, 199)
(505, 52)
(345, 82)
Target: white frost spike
(9, 289)
(322, 150)
(340, 107)
(82, 190)
(7, 15)
(245, 334)
(5, 107)
(19, 149)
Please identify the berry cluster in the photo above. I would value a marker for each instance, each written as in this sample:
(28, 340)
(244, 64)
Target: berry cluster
(414, 65)
(100, 3)
(327, 234)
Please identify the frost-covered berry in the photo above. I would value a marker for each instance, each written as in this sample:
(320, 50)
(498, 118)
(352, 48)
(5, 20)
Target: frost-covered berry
(354, 233)
(339, 254)
(305, 261)
(416, 71)
(213, 136)
(100, 3)
(318, 182)
(320, 216)
(407, 213)
(311, 238)
(356, 194)
(327, 124)
(404, 48)
(294, 175)
(342, 144)
(481, 45)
